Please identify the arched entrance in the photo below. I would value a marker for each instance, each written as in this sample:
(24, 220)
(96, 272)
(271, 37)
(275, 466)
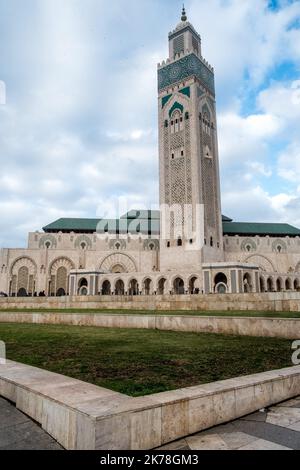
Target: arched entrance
(106, 288)
(262, 284)
(221, 283)
(296, 284)
(247, 281)
(279, 285)
(288, 284)
(60, 293)
(59, 275)
(178, 286)
(61, 281)
(120, 288)
(22, 292)
(148, 286)
(270, 285)
(133, 287)
(23, 277)
(192, 287)
(161, 286)
(83, 286)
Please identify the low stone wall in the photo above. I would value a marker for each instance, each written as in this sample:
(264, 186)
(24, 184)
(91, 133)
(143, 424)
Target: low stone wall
(85, 417)
(244, 326)
(272, 301)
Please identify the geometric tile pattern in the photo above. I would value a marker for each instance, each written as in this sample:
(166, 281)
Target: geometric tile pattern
(183, 68)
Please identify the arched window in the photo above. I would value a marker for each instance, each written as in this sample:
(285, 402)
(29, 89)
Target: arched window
(161, 286)
(221, 283)
(206, 123)
(178, 286)
(120, 288)
(247, 281)
(148, 286)
(133, 287)
(262, 284)
(179, 242)
(270, 285)
(176, 122)
(106, 288)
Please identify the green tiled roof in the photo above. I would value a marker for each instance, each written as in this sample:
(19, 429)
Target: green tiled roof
(144, 215)
(131, 225)
(226, 219)
(71, 225)
(148, 222)
(250, 228)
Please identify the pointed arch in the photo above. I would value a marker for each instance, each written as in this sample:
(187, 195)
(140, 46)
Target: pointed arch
(59, 272)
(23, 273)
(118, 259)
(262, 261)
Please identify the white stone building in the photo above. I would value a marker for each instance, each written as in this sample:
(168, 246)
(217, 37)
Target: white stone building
(192, 248)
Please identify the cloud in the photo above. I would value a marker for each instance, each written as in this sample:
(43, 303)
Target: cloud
(245, 40)
(289, 163)
(244, 139)
(80, 124)
(282, 100)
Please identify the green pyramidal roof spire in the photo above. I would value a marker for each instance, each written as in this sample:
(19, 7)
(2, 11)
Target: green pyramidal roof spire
(183, 15)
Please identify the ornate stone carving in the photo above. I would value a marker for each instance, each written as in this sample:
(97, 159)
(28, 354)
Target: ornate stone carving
(248, 245)
(83, 242)
(118, 259)
(48, 241)
(183, 68)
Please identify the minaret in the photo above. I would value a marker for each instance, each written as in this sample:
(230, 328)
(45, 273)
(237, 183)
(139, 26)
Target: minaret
(188, 153)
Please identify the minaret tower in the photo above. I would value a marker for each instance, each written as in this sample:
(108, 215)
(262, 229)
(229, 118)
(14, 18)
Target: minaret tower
(188, 154)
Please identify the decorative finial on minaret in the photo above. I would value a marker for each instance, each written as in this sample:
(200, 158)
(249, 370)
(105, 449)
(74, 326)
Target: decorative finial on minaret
(183, 15)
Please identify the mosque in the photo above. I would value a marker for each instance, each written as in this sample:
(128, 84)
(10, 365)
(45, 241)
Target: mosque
(187, 247)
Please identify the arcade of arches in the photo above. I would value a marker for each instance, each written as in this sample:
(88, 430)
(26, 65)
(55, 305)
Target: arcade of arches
(24, 279)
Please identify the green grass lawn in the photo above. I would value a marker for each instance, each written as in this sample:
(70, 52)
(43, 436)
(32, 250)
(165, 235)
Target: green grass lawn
(238, 313)
(140, 362)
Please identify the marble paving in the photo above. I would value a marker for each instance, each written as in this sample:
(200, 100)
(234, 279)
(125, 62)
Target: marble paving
(275, 428)
(18, 432)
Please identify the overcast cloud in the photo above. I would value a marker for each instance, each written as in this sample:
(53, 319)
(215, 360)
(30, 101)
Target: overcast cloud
(79, 127)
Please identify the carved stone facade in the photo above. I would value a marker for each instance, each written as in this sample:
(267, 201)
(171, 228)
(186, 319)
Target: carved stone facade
(86, 257)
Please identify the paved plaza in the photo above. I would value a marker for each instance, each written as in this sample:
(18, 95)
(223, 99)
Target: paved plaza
(18, 432)
(277, 428)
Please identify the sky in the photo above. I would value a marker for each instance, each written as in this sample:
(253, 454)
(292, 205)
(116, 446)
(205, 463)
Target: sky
(78, 129)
